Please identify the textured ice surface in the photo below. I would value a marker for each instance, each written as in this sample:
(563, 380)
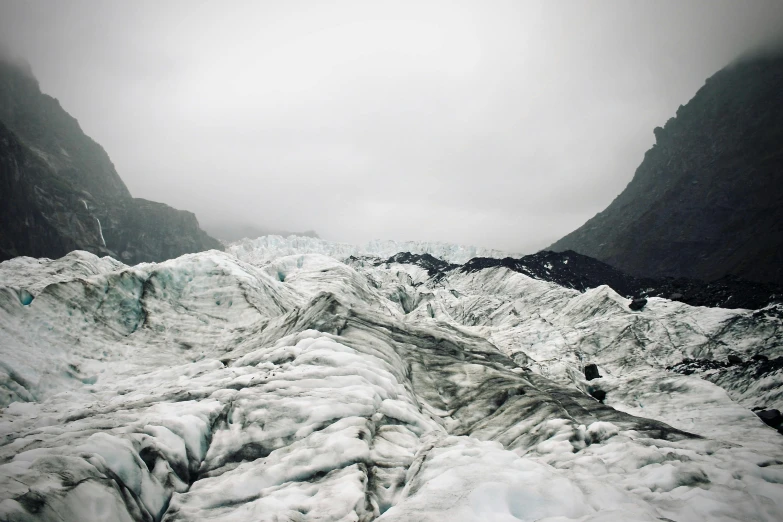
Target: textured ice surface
(303, 388)
(267, 248)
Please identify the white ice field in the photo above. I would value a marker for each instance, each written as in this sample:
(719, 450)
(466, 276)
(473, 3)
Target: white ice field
(283, 385)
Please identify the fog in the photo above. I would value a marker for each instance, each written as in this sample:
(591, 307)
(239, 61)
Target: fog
(498, 124)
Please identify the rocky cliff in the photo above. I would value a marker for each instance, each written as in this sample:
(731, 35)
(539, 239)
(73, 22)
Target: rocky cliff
(707, 200)
(59, 191)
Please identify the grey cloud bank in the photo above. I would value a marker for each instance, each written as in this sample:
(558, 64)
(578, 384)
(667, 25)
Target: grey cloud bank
(499, 124)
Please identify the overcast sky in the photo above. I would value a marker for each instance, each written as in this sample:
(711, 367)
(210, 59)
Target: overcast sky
(499, 124)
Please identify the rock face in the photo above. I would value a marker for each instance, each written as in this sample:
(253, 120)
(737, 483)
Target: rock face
(59, 191)
(706, 200)
(591, 372)
(771, 418)
(141, 230)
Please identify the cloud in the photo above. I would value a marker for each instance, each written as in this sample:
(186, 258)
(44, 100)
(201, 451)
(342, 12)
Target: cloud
(502, 124)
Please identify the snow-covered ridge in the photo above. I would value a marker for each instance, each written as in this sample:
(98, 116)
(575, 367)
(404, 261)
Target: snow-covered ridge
(304, 388)
(267, 248)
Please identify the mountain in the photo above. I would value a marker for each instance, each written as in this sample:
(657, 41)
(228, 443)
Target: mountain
(305, 388)
(59, 191)
(707, 200)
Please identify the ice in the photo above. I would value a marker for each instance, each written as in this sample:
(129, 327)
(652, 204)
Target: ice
(304, 388)
(464, 479)
(268, 248)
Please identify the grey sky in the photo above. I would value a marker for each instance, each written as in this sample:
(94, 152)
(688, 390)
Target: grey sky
(499, 124)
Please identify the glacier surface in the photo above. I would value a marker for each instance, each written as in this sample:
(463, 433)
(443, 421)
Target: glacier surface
(268, 248)
(269, 384)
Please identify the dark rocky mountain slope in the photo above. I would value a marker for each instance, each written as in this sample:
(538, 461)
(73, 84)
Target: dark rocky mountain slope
(572, 270)
(59, 191)
(707, 200)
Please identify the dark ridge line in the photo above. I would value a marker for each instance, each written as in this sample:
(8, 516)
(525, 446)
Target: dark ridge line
(570, 269)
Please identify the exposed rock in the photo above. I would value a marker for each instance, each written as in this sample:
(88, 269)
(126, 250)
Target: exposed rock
(771, 418)
(637, 303)
(705, 201)
(691, 366)
(599, 395)
(752, 382)
(141, 230)
(54, 136)
(567, 269)
(734, 359)
(591, 372)
(431, 264)
(580, 272)
(59, 191)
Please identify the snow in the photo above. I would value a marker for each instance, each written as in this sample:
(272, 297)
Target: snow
(292, 386)
(267, 248)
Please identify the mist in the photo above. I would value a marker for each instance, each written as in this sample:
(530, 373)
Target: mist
(502, 124)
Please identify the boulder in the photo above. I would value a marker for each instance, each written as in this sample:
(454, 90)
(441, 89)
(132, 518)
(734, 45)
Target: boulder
(771, 418)
(600, 395)
(637, 303)
(591, 372)
(671, 220)
(734, 359)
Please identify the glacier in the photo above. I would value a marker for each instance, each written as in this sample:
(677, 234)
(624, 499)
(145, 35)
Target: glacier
(285, 381)
(268, 248)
